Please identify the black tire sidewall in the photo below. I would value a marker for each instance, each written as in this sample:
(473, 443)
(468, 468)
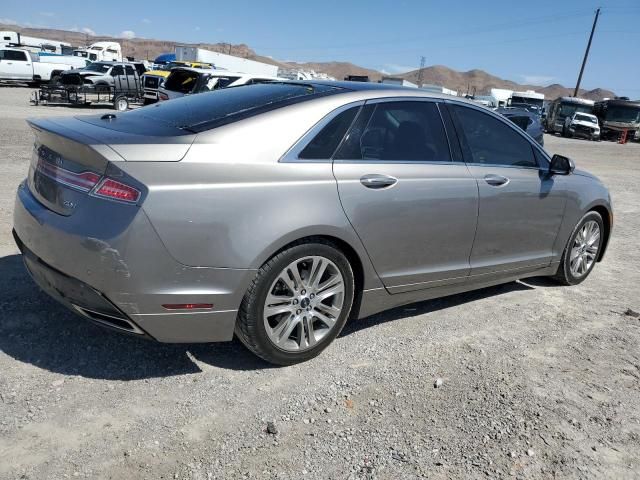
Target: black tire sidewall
(266, 349)
(566, 258)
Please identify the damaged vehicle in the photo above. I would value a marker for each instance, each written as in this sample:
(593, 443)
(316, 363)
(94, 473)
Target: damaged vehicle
(584, 125)
(122, 75)
(189, 81)
(277, 212)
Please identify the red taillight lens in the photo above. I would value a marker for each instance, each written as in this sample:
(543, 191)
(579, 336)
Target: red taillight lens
(163, 96)
(115, 190)
(84, 181)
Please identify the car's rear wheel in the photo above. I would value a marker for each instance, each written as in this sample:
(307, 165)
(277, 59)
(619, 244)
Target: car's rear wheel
(582, 250)
(297, 304)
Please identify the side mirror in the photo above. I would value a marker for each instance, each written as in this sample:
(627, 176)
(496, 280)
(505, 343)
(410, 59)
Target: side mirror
(561, 165)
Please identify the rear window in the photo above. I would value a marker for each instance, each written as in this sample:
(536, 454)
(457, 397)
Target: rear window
(205, 111)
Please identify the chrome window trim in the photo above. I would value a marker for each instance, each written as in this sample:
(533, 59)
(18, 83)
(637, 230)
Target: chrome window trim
(291, 156)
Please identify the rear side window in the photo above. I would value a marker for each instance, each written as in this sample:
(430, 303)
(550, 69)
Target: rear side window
(325, 143)
(129, 69)
(398, 131)
(487, 140)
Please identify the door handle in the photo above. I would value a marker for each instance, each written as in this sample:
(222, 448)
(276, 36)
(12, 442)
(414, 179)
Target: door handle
(496, 180)
(377, 181)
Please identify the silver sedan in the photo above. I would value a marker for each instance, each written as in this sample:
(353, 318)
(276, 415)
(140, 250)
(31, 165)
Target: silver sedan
(277, 212)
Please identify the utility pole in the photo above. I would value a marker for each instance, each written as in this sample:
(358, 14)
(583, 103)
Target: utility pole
(421, 71)
(586, 53)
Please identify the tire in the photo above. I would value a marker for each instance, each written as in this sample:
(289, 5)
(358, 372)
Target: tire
(566, 275)
(55, 80)
(121, 103)
(259, 332)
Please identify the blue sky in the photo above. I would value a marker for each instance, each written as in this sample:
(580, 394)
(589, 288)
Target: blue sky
(539, 42)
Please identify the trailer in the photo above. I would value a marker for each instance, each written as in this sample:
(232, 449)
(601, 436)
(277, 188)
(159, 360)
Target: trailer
(34, 44)
(225, 62)
(126, 91)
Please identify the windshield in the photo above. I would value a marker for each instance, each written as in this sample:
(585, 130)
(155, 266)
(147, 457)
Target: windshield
(586, 118)
(202, 112)
(623, 114)
(97, 67)
(571, 108)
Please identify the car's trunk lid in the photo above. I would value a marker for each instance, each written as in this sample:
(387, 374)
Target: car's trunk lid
(71, 155)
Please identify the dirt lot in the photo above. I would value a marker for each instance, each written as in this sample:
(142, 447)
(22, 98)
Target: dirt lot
(539, 381)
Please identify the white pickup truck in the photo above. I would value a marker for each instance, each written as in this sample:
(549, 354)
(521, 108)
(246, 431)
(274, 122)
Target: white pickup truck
(21, 65)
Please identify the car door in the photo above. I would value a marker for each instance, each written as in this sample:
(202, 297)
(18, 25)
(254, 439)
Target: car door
(16, 65)
(412, 203)
(117, 73)
(521, 206)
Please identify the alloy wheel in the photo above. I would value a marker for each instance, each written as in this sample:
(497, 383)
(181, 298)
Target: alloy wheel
(304, 303)
(585, 248)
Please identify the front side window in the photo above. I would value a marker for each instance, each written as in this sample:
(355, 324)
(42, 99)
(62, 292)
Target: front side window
(489, 141)
(397, 131)
(117, 70)
(325, 143)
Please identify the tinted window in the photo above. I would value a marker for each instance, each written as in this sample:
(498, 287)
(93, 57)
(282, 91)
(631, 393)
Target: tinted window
(326, 142)
(520, 120)
(398, 131)
(117, 70)
(209, 110)
(14, 55)
(490, 141)
(129, 70)
(182, 81)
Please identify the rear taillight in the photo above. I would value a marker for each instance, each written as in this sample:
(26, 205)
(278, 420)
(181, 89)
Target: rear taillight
(83, 181)
(115, 190)
(163, 96)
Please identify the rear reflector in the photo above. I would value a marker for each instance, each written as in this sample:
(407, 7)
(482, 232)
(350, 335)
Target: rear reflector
(186, 306)
(115, 190)
(83, 181)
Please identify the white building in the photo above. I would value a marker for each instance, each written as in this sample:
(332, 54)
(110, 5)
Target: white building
(439, 89)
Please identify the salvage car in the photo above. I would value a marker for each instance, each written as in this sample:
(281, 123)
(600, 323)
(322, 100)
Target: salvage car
(583, 125)
(188, 81)
(278, 211)
(154, 79)
(123, 75)
(525, 119)
(22, 65)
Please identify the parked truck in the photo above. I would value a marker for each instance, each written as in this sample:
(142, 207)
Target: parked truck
(101, 52)
(225, 62)
(563, 107)
(617, 116)
(21, 65)
(528, 99)
(34, 44)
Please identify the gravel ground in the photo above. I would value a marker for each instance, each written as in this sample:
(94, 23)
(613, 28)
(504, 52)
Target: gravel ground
(533, 380)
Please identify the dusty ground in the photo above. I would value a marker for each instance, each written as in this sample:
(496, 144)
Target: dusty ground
(539, 381)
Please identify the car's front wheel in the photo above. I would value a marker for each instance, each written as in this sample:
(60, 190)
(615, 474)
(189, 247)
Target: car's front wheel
(582, 250)
(297, 304)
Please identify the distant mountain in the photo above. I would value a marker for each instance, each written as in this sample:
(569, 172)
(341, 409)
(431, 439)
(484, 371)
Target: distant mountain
(480, 83)
(477, 81)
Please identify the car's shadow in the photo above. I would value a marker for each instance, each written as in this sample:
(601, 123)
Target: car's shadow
(35, 329)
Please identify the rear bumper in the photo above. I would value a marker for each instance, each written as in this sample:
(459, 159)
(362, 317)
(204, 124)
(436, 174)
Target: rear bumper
(116, 265)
